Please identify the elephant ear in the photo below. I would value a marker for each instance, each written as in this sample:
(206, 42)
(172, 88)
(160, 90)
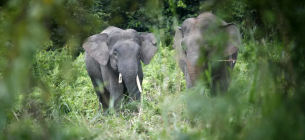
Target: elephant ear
(181, 55)
(234, 39)
(97, 48)
(178, 38)
(177, 43)
(148, 47)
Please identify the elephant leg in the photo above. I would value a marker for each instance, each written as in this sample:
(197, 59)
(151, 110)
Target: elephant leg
(220, 85)
(214, 89)
(94, 72)
(116, 99)
(116, 90)
(220, 78)
(102, 94)
(104, 99)
(224, 79)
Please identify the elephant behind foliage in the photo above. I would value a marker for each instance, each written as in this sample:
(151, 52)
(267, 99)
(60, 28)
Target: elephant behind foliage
(207, 42)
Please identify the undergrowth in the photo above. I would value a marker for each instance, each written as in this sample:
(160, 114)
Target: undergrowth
(65, 98)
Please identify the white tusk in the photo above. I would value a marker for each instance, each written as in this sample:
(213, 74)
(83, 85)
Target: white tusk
(139, 85)
(233, 61)
(120, 78)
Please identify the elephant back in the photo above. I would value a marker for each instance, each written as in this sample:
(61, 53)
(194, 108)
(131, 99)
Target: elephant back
(208, 21)
(110, 29)
(122, 35)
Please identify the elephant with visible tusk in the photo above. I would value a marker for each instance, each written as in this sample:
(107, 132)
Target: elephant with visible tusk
(207, 44)
(113, 63)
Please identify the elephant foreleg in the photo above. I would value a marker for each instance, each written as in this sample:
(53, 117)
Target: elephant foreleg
(220, 85)
(116, 100)
(104, 99)
(101, 93)
(221, 78)
(116, 90)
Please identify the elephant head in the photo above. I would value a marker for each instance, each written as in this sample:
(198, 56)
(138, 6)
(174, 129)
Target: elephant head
(119, 53)
(208, 39)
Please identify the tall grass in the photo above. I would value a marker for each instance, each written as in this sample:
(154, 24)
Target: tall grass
(63, 103)
(48, 94)
(65, 97)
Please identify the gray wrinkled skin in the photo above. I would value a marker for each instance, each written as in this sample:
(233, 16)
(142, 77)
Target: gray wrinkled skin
(213, 42)
(117, 51)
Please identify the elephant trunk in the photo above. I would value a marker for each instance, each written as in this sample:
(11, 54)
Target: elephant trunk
(193, 71)
(132, 82)
(133, 86)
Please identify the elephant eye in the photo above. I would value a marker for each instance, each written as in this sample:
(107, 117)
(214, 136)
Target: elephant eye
(139, 55)
(115, 53)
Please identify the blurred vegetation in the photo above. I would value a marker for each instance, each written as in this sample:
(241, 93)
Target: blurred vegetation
(45, 92)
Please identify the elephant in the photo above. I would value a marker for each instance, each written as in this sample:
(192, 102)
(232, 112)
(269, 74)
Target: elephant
(113, 62)
(207, 44)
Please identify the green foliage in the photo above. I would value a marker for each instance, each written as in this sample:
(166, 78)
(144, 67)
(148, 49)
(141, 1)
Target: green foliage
(36, 130)
(164, 73)
(65, 96)
(81, 14)
(45, 92)
(60, 75)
